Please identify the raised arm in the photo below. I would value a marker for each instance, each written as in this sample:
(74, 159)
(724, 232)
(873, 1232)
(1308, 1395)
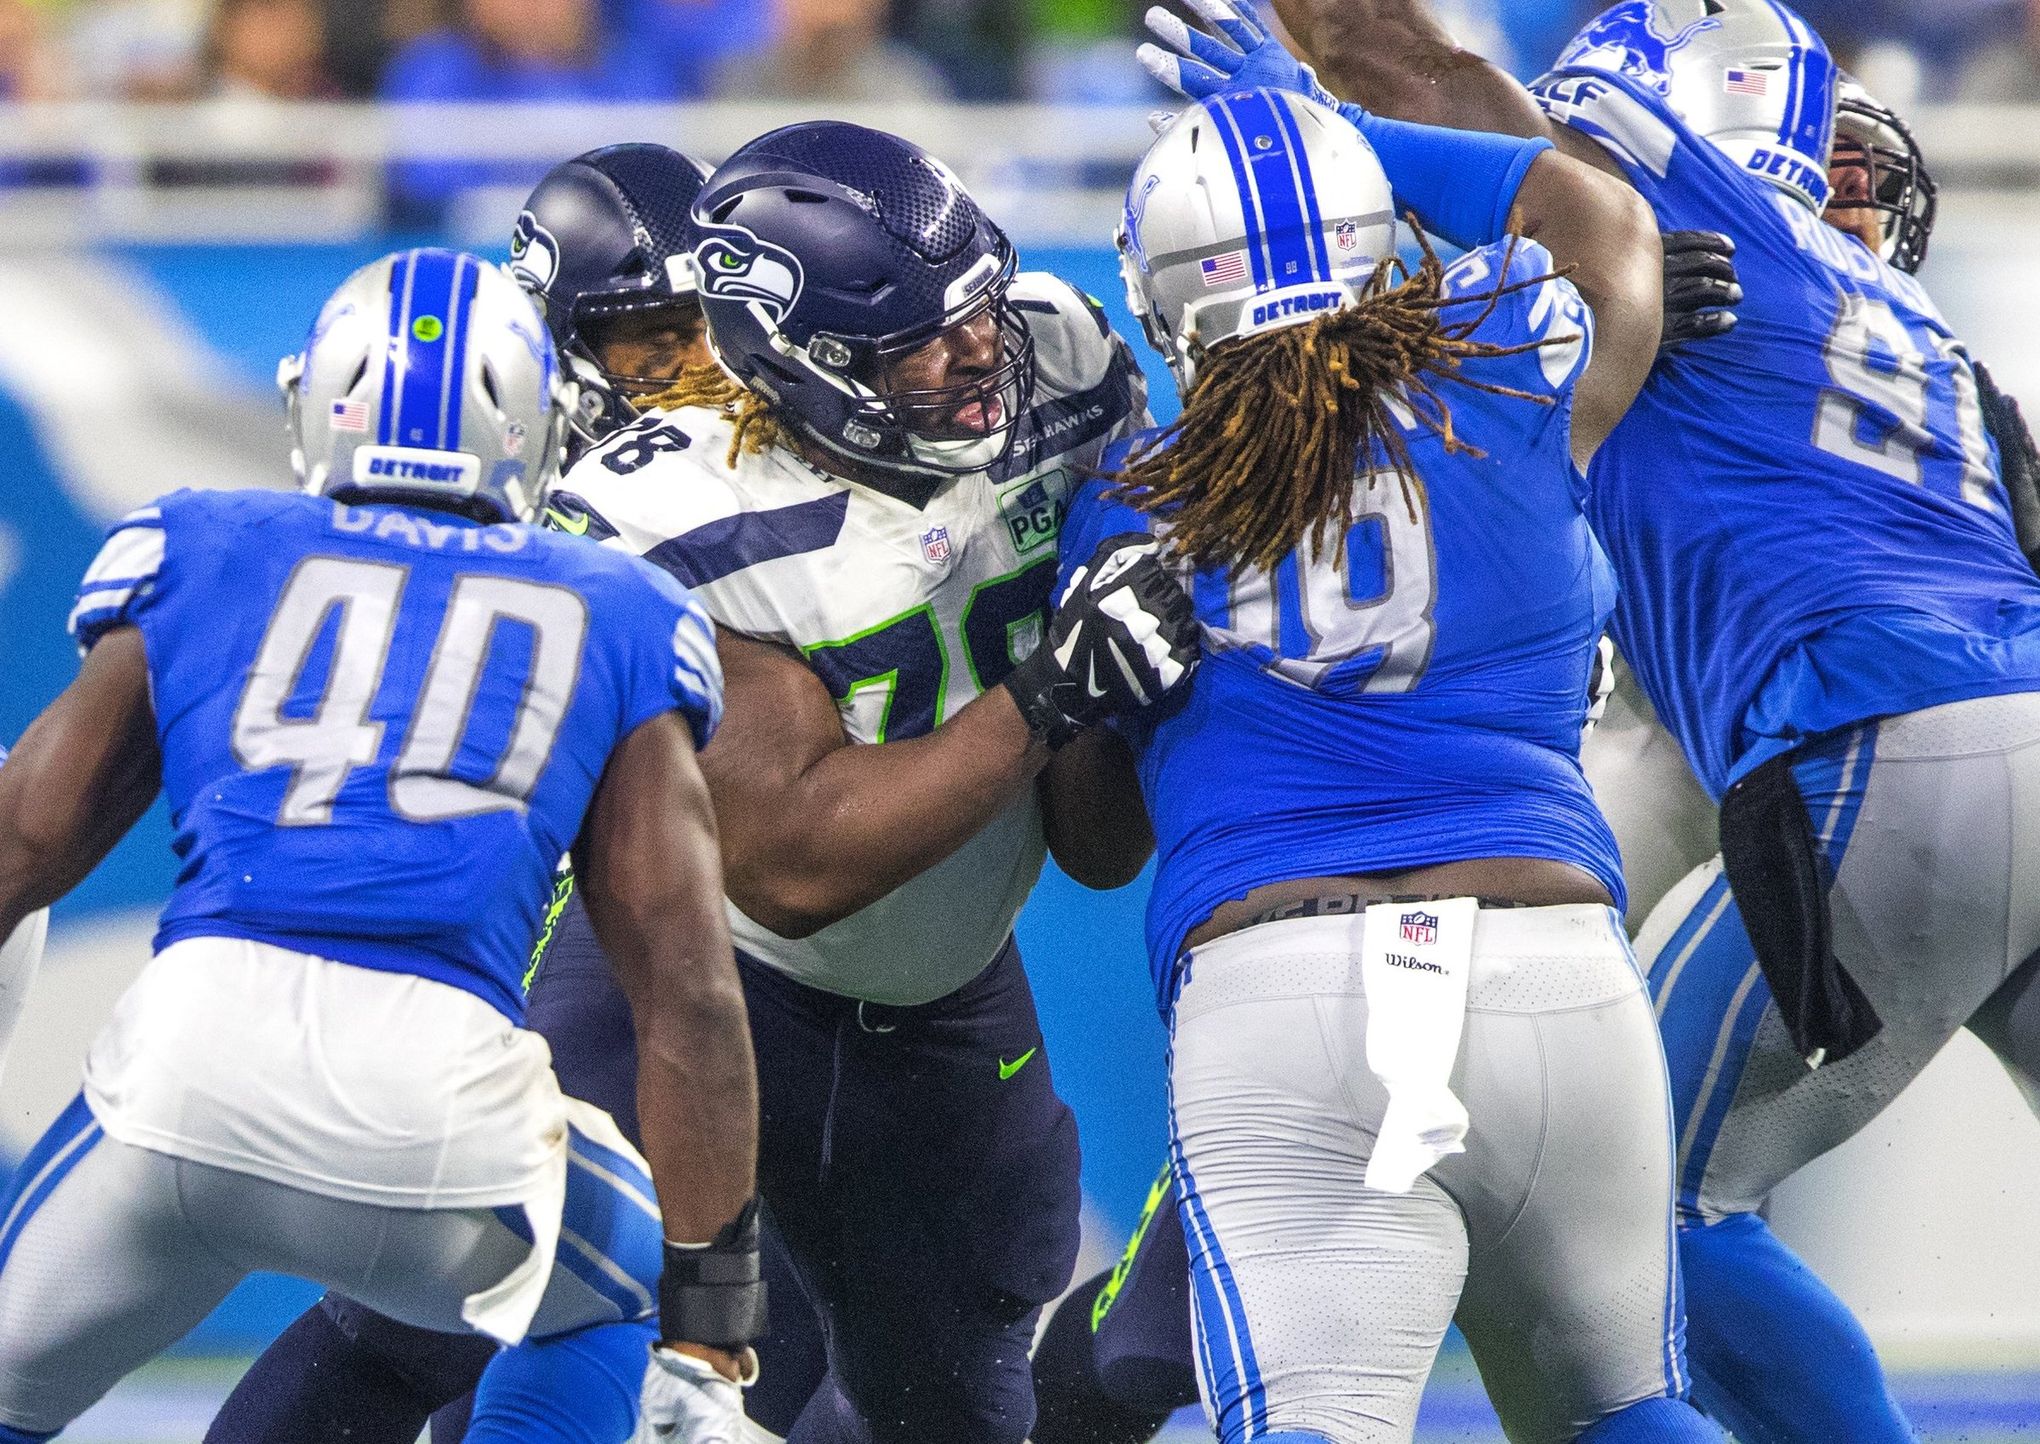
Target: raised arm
(1602, 235)
(81, 776)
(1391, 56)
(651, 880)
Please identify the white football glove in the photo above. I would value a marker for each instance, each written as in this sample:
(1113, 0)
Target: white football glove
(687, 1401)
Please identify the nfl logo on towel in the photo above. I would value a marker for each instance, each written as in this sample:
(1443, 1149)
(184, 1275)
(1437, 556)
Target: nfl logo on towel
(1420, 927)
(1229, 269)
(935, 544)
(350, 416)
(1746, 82)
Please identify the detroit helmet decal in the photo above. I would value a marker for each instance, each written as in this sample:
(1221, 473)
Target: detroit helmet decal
(534, 254)
(1625, 39)
(734, 265)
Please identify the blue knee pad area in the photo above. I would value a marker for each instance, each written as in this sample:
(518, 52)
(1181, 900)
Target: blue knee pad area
(1775, 1355)
(578, 1388)
(1654, 1421)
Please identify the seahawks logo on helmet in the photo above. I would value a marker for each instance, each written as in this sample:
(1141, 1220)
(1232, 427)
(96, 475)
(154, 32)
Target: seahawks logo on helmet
(1625, 39)
(734, 265)
(534, 254)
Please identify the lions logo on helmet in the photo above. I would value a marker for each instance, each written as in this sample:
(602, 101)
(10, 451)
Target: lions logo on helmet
(734, 265)
(534, 254)
(1625, 39)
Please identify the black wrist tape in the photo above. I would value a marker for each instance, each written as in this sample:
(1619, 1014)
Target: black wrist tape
(714, 1295)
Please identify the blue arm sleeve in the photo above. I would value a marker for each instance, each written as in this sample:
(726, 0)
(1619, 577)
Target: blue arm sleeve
(1460, 184)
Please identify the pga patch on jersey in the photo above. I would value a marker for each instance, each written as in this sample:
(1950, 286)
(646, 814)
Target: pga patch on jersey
(1033, 509)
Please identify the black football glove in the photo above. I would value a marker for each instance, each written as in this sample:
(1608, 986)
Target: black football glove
(1123, 636)
(2018, 460)
(1700, 287)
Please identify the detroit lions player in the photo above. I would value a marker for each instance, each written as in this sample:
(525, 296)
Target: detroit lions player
(1373, 833)
(871, 518)
(382, 709)
(20, 956)
(602, 246)
(1824, 602)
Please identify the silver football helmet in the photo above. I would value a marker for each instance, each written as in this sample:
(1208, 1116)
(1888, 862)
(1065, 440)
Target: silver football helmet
(1253, 210)
(428, 378)
(1748, 76)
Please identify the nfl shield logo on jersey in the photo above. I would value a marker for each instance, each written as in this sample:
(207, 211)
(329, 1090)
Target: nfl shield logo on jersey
(1420, 927)
(935, 544)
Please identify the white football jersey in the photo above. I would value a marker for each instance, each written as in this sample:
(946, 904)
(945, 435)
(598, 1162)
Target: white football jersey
(905, 613)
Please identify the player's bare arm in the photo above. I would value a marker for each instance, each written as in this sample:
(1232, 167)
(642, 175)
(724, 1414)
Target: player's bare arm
(1093, 813)
(85, 770)
(650, 879)
(1605, 240)
(814, 828)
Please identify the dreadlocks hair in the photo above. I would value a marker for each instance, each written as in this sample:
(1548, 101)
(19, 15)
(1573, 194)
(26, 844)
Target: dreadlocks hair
(1273, 435)
(711, 387)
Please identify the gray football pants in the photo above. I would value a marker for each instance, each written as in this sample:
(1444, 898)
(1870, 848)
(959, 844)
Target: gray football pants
(110, 1253)
(1929, 825)
(1318, 1304)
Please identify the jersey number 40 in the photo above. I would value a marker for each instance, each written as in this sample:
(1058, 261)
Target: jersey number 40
(359, 603)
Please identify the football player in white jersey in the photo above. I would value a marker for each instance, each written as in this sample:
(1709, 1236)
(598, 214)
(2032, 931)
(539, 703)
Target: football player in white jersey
(871, 517)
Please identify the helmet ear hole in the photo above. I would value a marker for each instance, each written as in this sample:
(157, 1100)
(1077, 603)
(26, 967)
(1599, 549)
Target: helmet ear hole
(354, 381)
(489, 387)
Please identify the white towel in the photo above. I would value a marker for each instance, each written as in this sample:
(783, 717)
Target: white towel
(1414, 963)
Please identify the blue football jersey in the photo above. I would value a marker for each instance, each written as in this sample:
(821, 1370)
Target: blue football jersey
(1416, 697)
(381, 727)
(1805, 514)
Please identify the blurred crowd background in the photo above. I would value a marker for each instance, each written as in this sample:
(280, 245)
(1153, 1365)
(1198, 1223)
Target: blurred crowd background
(818, 50)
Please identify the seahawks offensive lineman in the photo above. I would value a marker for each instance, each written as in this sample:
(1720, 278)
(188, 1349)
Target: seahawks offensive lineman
(1866, 710)
(20, 956)
(381, 710)
(871, 518)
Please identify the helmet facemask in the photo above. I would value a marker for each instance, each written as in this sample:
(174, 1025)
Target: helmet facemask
(1871, 138)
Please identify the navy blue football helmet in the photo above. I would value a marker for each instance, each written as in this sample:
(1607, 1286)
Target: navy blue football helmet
(604, 234)
(827, 253)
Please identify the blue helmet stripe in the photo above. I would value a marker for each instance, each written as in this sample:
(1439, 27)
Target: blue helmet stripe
(1250, 196)
(1284, 231)
(428, 308)
(465, 281)
(400, 300)
(1300, 160)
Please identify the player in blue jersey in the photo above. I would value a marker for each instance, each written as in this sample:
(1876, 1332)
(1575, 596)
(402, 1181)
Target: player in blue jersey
(1823, 600)
(381, 710)
(1374, 840)
(596, 247)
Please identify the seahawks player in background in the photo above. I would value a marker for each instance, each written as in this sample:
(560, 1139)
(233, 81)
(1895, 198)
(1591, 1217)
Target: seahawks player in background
(20, 956)
(382, 708)
(593, 247)
(1825, 603)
